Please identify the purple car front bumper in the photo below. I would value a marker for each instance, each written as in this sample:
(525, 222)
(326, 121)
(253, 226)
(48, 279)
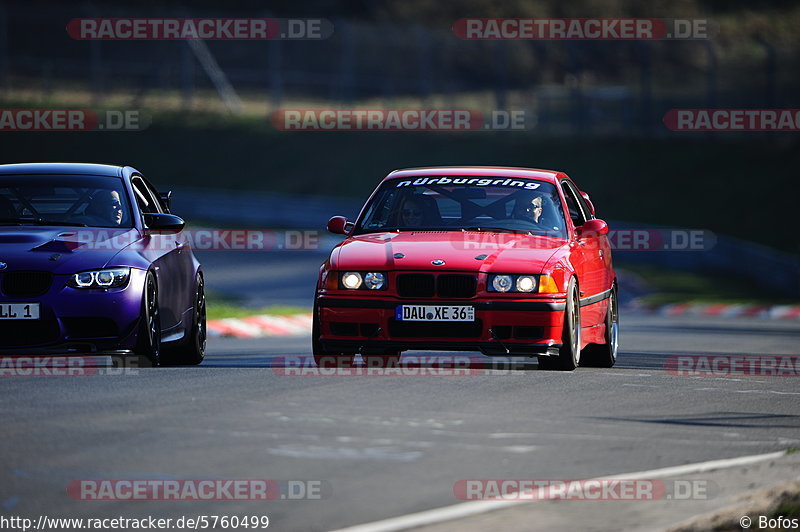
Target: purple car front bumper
(77, 321)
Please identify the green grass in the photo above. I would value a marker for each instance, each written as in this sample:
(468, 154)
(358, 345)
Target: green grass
(789, 508)
(220, 307)
(683, 287)
(218, 311)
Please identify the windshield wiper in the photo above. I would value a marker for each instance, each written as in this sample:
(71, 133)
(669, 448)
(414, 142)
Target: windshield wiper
(40, 221)
(495, 230)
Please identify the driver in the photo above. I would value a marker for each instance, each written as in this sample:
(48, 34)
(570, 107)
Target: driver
(105, 208)
(530, 208)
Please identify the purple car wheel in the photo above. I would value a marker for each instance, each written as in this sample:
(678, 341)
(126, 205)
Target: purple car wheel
(200, 318)
(149, 339)
(190, 351)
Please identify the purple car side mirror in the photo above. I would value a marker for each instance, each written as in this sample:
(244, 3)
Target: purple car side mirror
(163, 223)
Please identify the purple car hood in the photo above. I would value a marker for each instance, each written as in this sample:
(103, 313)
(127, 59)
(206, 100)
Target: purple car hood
(62, 250)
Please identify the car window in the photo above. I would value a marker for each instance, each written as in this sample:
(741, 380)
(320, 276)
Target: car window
(68, 199)
(576, 212)
(154, 193)
(454, 203)
(144, 198)
(581, 200)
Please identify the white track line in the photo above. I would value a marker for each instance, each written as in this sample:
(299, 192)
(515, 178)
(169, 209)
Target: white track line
(459, 511)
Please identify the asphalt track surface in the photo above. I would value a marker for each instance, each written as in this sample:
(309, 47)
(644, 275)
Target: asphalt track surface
(387, 446)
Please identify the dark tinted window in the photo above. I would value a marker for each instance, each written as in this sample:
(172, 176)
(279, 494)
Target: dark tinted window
(82, 200)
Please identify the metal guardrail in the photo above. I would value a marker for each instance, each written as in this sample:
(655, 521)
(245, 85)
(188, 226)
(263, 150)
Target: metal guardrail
(761, 266)
(262, 209)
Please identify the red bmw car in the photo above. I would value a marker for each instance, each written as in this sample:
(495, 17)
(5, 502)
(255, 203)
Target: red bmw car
(505, 261)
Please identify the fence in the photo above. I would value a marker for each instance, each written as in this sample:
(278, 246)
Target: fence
(571, 87)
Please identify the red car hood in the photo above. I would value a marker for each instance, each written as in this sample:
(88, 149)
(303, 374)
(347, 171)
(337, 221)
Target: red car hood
(505, 252)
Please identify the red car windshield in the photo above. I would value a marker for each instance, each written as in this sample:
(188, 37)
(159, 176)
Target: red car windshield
(465, 203)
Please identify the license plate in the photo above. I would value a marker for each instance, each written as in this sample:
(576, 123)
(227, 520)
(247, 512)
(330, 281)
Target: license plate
(19, 311)
(434, 313)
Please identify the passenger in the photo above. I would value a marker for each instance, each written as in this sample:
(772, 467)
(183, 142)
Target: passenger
(7, 208)
(411, 215)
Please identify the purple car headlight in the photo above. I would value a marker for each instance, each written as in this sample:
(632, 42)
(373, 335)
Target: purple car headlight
(107, 278)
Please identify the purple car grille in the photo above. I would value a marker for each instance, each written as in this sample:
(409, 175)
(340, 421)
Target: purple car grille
(26, 283)
(18, 333)
(89, 327)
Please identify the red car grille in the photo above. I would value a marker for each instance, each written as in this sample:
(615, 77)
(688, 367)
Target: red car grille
(416, 285)
(427, 329)
(26, 283)
(452, 285)
(428, 285)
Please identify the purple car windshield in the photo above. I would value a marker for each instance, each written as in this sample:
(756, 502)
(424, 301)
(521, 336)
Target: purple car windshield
(464, 203)
(90, 201)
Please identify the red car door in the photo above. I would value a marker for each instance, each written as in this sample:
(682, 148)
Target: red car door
(591, 252)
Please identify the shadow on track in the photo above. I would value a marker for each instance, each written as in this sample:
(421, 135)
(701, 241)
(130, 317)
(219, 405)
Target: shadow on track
(722, 419)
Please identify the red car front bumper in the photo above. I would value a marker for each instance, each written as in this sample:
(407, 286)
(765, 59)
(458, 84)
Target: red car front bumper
(501, 326)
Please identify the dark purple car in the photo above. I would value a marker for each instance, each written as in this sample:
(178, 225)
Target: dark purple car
(92, 262)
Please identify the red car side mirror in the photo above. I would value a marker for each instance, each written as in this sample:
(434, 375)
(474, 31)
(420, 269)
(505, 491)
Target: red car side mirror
(588, 202)
(338, 225)
(593, 228)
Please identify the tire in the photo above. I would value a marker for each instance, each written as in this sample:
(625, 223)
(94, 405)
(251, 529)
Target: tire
(605, 355)
(148, 339)
(322, 357)
(191, 350)
(569, 355)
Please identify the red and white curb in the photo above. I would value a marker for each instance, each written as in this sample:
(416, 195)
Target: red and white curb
(300, 324)
(776, 312)
(262, 325)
